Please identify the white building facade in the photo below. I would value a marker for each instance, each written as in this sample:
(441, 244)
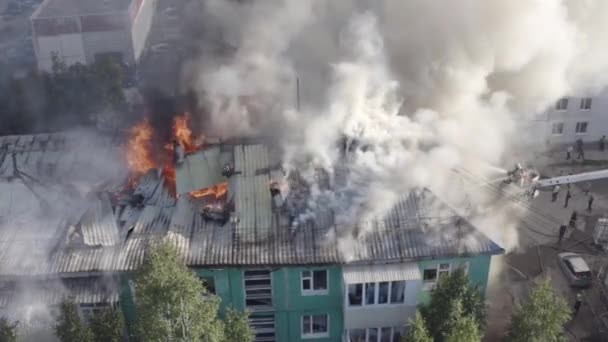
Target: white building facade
(80, 31)
(570, 119)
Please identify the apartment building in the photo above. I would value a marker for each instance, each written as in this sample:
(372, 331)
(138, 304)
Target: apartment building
(79, 31)
(569, 119)
(311, 283)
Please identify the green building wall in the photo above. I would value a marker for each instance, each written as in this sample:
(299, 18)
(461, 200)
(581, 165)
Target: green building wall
(479, 270)
(289, 305)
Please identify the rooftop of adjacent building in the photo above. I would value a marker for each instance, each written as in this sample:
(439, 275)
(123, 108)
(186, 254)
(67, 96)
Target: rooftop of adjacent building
(109, 234)
(69, 8)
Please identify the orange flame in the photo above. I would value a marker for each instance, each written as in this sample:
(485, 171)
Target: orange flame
(183, 133)
(139, 148)
(216, 191)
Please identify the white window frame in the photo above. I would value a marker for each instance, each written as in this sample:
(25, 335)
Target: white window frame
(313, 335)
(557, 132)
(586, 103)
(376, 295)
(312, 291)
(558, 104)
(430, 284)
(367, 339)
(581, 124)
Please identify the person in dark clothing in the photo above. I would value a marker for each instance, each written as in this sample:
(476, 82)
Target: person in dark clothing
(573, 219)
(580, 149)
(568, 196)
(562, 232)
(590, 203)
(602, 143)
(577, 303)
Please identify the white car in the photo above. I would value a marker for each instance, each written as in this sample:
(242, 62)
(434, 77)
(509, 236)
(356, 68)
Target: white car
(575, 269)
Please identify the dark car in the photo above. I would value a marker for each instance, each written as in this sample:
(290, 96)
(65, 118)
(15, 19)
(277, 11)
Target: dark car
(575, 269)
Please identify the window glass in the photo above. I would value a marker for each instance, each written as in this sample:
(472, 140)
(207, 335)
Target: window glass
(383, 292)
(356, 335)
(397, 333)
(370, 293)
(385, 334)
(305, 284)
(306, 274)
(319, 324)
(558, 128)
(355, 294)
(320, 280)
(581, 127)
(430, 275)
(397, 292)
(562, 104)
(372, 334)
(306, 325)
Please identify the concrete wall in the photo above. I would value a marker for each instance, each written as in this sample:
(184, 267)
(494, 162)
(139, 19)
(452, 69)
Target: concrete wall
(69, 47)
(107, 42)
(291, 305)
(141, 27)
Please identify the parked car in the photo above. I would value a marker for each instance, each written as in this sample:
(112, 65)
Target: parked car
(575, 269)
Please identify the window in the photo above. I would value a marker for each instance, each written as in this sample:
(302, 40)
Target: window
(370, 293)
(382, 293)
(558, 128)
(355, 294)
(586, 103)
(315, 326)
(376, 334)
(209, 283)
(258, 289)
(429, 275)
(562, 104)
(433, 273)
(397, 292)
(383, 290)
(263, 327)
(444, 270)
(581, 127)
(465, 267)
(314, 282)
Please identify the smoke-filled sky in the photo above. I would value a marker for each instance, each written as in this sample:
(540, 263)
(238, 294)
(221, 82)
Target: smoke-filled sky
(425, 85)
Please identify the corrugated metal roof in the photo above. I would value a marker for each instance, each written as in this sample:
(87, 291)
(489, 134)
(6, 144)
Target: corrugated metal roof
(262, 237)
(372, 274)
(98, 225)
(200, 170)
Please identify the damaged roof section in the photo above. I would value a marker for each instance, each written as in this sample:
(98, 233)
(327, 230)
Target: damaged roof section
(116, 231)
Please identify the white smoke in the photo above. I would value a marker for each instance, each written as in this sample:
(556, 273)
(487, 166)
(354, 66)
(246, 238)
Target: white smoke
(423, 86)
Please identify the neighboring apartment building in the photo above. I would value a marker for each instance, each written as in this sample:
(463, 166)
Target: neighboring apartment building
(315, 282)
(79, 31)
(569, 119)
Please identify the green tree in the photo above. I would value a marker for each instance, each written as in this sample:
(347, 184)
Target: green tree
(172, 303)
(541, 318)
(8, 331)
(69, 327)
(418, 331)
(461, 327)
(107, 326)
(454, 287)
(237, 327)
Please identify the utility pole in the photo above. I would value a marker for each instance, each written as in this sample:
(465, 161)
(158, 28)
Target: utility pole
(298, 93)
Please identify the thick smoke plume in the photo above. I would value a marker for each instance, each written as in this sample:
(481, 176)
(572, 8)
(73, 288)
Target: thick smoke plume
(417, 88)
